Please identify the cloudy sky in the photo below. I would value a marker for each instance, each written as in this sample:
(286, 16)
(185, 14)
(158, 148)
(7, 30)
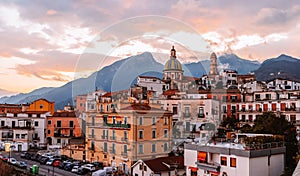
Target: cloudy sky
(45, 44)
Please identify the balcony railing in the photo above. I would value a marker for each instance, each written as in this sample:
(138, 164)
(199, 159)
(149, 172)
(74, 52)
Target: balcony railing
(124, 154)
(113, 138)
(124, 139)
(201, 115)
(94, 124)
(117, 125)
(104, 137)
(66, 127)
(215, 167)
(62, 135)
(186, 114)
(18, 127)
(91, 136)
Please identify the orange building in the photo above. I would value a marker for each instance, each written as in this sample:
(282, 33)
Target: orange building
(42, 105)
(62, 126)
(10, 108)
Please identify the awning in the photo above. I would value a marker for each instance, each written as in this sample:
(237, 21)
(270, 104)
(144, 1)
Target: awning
(202, 156)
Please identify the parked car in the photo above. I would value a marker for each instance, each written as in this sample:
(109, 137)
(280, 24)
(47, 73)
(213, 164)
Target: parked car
(44, 160)
(5, 158)
(75, 169)
(89, 167)
(50, 162)
(68, 167)
(99, 173)
(22, 164)
(23, 154)
(97, 164)
(28, 155)
(56, 163)
(12, 161)
(82, 171)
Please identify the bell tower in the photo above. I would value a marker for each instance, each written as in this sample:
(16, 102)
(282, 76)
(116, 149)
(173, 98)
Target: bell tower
(213, 70)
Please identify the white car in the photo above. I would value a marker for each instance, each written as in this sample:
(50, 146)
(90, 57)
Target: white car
(89, 167)
(12, 161)
(75, 169)
(49, 162)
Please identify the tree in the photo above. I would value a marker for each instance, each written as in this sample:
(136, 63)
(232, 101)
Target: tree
(269, 123)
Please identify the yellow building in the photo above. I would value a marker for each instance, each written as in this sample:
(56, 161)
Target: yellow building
(42, 105)
(120, 136)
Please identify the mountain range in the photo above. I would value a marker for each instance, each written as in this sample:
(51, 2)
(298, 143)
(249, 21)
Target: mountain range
(123, 73)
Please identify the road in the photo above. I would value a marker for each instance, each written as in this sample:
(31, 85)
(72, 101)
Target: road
(43, 169)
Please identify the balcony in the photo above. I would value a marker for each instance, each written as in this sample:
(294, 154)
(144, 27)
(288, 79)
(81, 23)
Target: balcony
(201, 115)
(94, 124)
(124, 154)
(117, 125)
(113, 138)
(91, 136)
(186, 114)
(62, 135)
(36, 138)
(124, 139)
(104, 137)
(214, 167)
(18, 127)
(64, 127)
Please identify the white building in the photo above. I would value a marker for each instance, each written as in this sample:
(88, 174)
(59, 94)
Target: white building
(283, 84)
(163, 166)
(24, 130)
(153, 84)
(233, 159)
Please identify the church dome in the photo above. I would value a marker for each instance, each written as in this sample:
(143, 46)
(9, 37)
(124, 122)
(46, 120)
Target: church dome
(173, 63)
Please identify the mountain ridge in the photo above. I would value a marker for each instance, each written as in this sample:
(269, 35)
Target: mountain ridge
(120, 75)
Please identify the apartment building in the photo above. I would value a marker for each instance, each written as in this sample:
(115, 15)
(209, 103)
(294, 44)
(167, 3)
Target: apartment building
(234, 159)
(120, 134)
(24, 129)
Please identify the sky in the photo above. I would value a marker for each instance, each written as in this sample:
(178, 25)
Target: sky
(47, 44)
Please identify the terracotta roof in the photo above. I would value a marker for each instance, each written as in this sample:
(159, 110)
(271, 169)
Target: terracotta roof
(170, 92)
(108, 94)
(33, 112)
(157, 165)
(64, 114)
(190, 78)
(42, 99)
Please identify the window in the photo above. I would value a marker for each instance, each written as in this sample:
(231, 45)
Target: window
(114, 119)
(153, 120)
(140, 120)
(13, 124)
(105, 119)
(187, 126)
(153, 133)
(141, 134)
(141, 149)
(36, 123)
(71, 123)
(257, 97)
(223, 161)
(2, 123)
(165, 133)
(49, 131)
(201, 112)
(153, 148)
(125, 135)
(165, 147)
(166, 120)
(105, 146)
(49, 122)
(58, 123)
(58, 141)
(125, 119)
(125, 149)
(93, 133)
(71, 133)
(113, 134)
(113, 151)
(175, 110)
(17, 136)
(41, 106)
(105, 134)
(23, 136)
(187, 111)
(93, 120)
(232, 162)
